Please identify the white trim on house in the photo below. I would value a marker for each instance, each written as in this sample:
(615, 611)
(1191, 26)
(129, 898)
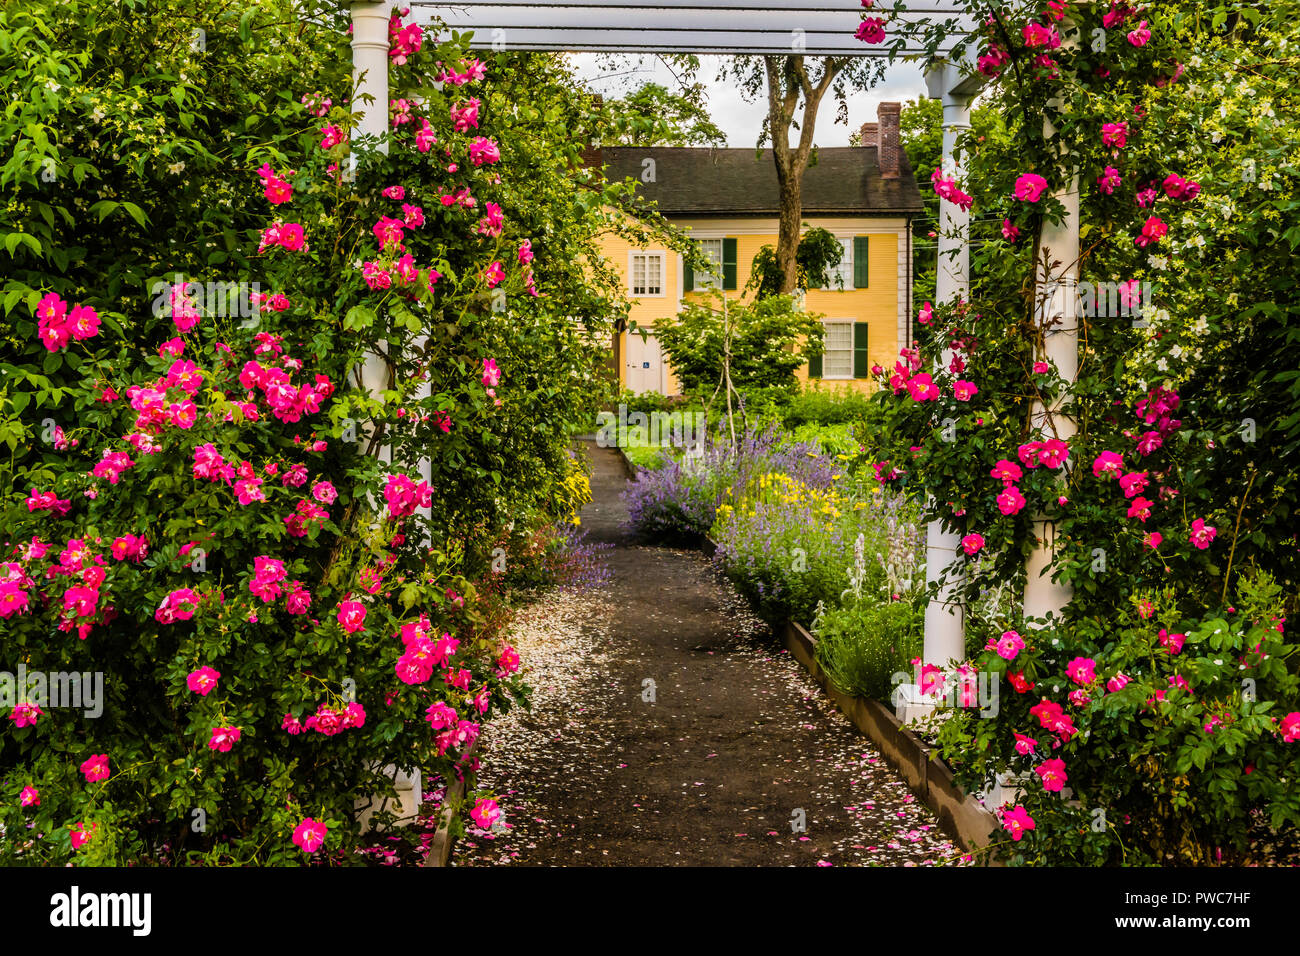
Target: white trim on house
(846, 261)
(631, 272)
(712, 280)
(904, 270)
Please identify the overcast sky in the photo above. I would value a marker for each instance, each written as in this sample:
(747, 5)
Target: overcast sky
(741, 121)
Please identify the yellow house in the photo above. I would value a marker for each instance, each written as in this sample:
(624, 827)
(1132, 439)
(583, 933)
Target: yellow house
(727, 199)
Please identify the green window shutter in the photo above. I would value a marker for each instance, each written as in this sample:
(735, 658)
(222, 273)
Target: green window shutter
(729, 263)
(815, 367)
(861, 261)
(688, 279)
(861, 364)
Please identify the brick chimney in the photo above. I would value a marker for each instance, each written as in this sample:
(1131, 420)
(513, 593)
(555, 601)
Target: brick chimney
(887, 156)
(870, 134)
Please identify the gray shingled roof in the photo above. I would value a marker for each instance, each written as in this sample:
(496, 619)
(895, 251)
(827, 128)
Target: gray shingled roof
(703, 181)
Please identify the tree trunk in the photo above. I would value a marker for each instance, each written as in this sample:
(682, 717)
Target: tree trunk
(787, 81)
(791, 219)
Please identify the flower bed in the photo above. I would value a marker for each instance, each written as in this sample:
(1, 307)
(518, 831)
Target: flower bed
(803, 540)
(1151, 718)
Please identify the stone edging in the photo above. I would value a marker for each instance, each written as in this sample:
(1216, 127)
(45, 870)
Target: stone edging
(628, 466)
(929, 778)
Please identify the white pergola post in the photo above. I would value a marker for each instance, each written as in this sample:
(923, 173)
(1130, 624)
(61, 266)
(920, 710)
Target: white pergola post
(1056, 308)
(370, 67)
(370, 80)
(945, 627)
(370, 100)
(1057, 314)
(945, 635)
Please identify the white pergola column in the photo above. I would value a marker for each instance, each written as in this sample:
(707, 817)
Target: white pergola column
(370, 67)
(1056, 313)
(1056, 306)
(370, 80)
(370, 100)
(945, 633)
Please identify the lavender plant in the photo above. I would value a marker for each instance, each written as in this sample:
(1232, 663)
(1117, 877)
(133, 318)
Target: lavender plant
(680, 498)
(790, 546)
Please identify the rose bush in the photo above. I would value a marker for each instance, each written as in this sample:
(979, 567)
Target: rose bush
(1173, 488)
(268, 554)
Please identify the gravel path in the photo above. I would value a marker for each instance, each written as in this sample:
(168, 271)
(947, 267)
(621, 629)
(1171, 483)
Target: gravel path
(736, 744)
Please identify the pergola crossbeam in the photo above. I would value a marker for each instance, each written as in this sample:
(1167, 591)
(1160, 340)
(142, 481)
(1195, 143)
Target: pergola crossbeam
(810, 27)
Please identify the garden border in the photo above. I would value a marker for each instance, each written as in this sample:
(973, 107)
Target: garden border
(628, 466)
(441, 845)
(960, 813)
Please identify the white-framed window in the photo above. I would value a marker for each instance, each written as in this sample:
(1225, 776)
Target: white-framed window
(712, 248)
(845, 269)
(837, 362)
(646, 274)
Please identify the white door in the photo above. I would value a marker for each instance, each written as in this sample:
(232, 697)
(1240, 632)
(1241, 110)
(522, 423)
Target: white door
(645, 363)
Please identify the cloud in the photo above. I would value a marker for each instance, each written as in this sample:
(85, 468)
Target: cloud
(741, 121)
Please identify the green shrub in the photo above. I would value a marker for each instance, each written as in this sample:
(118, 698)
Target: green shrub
(648, 401)
(835, 441)
(770, 339)
(647, 456)
(821, 405)
(863, 645)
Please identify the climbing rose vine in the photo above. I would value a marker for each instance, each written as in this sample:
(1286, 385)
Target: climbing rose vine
(1154, 720)
(258, 529)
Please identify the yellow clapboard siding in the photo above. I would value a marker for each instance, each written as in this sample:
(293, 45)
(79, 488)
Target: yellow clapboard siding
(877, 305)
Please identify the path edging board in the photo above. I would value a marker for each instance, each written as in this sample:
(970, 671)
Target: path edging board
(929, 778)
(628, 466)
(442, 843)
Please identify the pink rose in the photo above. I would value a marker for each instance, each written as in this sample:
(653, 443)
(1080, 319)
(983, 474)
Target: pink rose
(352, 615)
(1202, 534)
(96, 768)
(1114, 134)
(1010, 501)
(1081, 670)
(486, 813)
(309, 835)
(1017, 822)
(1009, 645)
(1053, 774)
(223, 738)
(203, 680)
(1030, 187)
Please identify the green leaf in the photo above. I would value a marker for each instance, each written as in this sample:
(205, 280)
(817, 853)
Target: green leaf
(103, 208)
(135, 212)
(359, 317)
